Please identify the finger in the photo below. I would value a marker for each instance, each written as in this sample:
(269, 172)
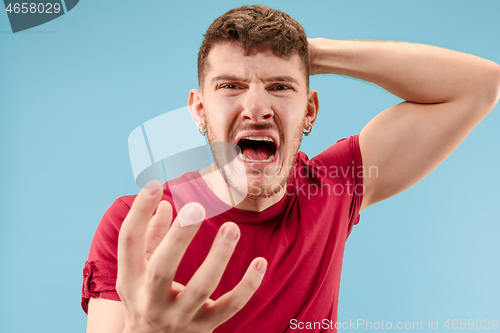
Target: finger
(231, 302)
(165, 260)
(207, 277)
(177, 288)
(158, 227)
(131, 242)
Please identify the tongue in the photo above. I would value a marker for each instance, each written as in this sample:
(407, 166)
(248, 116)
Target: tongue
(260, 154)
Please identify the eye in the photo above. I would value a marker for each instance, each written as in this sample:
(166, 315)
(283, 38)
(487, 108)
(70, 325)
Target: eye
(228, 86)
(281, 87)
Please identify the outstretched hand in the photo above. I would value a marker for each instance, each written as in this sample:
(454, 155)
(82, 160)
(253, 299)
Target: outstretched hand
(149, 253)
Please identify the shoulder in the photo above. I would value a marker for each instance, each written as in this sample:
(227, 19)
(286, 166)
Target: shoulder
(118, 209)
(345, 150)
(107, 231)
(345, 154)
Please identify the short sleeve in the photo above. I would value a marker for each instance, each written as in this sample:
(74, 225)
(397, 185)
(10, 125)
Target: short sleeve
(100, 269)
(342, 163)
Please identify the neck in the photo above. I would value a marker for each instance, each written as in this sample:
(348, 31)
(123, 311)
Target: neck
(218, 185)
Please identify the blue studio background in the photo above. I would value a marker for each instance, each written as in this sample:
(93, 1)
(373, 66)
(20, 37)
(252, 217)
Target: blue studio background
(73, 89)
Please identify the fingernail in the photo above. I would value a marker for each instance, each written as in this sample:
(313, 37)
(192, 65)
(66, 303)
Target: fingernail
(153, 187)
(230, 233)
(151, 191)
(261, 267)
(190, 215)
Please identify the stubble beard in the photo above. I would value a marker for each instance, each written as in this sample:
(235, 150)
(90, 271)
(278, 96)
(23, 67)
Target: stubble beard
(246, 187)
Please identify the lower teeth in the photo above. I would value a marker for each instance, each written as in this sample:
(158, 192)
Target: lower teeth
(246, 159)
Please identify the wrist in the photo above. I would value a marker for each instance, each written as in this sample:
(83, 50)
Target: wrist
(322, 55)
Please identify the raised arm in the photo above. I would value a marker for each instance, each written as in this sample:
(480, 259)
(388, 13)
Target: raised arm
(446, 93)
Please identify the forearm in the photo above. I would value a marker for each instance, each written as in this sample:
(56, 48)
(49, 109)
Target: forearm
(414, 72)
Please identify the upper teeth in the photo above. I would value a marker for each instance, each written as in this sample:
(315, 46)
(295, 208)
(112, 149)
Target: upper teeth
(259, 138)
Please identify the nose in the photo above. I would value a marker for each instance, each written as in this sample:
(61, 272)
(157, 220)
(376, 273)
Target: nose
(257, 105)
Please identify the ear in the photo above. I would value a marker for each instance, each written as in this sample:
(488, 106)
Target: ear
(195, 104)
(312, 108)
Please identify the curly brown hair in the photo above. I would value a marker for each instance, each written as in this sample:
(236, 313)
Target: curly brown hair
(256, 26)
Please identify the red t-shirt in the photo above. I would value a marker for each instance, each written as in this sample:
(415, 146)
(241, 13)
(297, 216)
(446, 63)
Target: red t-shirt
(302, 237)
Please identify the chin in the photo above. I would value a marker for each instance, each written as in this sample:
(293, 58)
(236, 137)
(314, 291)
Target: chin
(260, 191)
(260, 183)
(255, 187)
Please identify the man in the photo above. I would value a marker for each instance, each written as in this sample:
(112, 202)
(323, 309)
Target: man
(276, 266)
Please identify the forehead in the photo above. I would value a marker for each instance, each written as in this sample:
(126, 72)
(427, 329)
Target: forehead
(230, 58)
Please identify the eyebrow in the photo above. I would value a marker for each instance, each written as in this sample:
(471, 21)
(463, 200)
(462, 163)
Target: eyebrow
(280, 78)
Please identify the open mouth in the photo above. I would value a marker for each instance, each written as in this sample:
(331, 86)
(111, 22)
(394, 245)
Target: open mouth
(257, 149)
